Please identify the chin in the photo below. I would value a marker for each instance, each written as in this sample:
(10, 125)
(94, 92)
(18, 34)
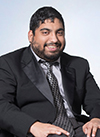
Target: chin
(52, 57)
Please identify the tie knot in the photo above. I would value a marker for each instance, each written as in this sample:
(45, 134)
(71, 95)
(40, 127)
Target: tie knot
(49, 64)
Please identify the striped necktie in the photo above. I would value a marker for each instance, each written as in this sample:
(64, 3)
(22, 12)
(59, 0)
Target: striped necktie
(62, 119)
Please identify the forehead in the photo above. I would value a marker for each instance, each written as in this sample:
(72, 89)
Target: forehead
(55, 24)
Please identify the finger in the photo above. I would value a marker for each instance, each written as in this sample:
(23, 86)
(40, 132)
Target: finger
(65, 132)
(85, 131)
(58, 131)
(94, 131)
(85, 128)
(89, 130)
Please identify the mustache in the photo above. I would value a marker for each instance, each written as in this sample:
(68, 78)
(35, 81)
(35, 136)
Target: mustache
(52, 43)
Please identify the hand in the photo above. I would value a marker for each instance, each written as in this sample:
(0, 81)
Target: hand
(39, 129)
(90, 128)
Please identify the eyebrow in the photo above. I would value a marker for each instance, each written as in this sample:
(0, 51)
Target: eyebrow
(45, 29)
(60, 29)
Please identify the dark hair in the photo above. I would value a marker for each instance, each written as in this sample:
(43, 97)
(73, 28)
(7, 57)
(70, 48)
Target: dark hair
(41, 15)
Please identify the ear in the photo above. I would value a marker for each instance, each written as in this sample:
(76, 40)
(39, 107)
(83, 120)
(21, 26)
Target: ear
(30, 36)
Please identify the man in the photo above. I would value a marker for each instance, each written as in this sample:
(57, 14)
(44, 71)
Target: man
(27, 103)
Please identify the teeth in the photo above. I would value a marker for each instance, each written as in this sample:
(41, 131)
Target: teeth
(52, 46)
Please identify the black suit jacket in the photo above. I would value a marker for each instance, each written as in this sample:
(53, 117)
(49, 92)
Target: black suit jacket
(25, 96)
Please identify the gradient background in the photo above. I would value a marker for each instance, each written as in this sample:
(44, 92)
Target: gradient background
(82, 20)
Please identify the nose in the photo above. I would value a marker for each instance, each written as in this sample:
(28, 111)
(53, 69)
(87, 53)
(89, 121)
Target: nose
(54, 38)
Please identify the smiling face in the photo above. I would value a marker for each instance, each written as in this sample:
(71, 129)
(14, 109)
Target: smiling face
(48, 41)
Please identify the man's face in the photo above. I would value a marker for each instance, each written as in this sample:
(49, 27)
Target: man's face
(48, 41)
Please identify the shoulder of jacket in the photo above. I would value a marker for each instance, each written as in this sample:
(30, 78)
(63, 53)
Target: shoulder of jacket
(74, 60)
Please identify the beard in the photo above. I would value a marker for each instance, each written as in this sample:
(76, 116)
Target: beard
(42, 53)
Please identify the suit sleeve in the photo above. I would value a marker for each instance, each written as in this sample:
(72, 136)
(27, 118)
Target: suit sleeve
(92, 95)
(12, 118)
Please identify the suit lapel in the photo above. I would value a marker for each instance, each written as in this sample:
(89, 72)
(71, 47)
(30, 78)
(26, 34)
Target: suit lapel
(68, 77)
(34, 72)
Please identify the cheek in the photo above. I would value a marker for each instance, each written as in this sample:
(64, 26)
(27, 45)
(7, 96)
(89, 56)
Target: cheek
(41, 41)
(62, 41)
(38, 45)
(62, 44)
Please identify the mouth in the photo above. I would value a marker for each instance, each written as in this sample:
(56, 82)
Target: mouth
(53, 47)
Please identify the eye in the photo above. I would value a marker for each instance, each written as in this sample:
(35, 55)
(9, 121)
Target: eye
(45, 32)
(60, 33)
